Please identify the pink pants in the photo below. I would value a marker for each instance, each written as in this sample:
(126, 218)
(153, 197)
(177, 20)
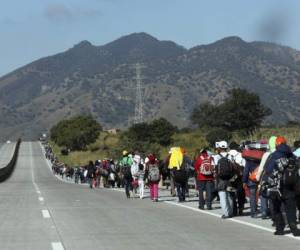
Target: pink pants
(153, 191)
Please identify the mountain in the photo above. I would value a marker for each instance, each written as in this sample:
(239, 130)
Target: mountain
(100, 80)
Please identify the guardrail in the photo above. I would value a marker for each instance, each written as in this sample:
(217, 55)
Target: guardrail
(6, 172)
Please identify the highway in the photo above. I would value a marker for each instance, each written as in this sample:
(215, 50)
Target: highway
(38, 211)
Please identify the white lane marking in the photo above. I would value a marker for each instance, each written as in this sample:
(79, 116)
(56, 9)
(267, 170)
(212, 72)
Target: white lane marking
(41, 198)
(36, 187)
(233, 220)
(46, 214)
(57, 246)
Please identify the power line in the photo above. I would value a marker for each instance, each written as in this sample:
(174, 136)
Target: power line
(139, 104)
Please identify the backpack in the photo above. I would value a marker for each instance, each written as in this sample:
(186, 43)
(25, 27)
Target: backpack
(225, 168)
(252, 154)
(126, 171)
(153, 174)
(290, 174)
(206, 167)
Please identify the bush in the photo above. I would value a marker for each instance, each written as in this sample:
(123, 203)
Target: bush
(217, 134)
(76, 133)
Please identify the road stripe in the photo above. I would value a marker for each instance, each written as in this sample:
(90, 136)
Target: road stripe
(46, 214)
(41, 198)
(57, 246)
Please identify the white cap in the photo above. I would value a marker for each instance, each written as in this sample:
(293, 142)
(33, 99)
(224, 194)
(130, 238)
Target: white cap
(217, 144)
(137, 158)
(223, 144)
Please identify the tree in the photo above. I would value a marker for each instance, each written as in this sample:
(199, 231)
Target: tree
(217, 134)
(148, 136)
(244, 111)
(207, 115)
(76, 133)
(241, 111)
(162, 131)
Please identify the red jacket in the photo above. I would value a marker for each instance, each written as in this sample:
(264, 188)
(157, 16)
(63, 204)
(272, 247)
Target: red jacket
(201, 177)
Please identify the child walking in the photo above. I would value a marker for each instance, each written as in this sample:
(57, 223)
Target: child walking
(141, 174)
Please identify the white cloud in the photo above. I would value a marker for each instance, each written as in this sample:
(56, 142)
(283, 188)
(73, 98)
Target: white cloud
(62, 13)
(58, 12)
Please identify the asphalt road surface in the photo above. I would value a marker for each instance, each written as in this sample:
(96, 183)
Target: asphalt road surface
(38, 211)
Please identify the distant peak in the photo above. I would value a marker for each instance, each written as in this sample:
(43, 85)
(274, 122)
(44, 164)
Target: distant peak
(140, 35)
(231, 39)
(83, 44)
(134, 38)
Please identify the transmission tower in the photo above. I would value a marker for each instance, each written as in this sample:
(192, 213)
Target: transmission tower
(138, 114)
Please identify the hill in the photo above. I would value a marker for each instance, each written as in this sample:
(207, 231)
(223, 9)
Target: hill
(100, 80)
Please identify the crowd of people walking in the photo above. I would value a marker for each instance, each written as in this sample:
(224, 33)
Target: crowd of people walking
(266, 173)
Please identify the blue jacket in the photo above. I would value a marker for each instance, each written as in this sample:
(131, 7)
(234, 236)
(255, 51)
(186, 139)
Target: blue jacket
(249, 167)
(282, 151)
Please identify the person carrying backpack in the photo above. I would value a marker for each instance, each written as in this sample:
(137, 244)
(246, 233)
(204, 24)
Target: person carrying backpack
(253, 155)
(236, 157)
(204, 168)
(152, 174)
(297, 155)
(280, 176)
(225, 173)
(264, 201)
(125, 165)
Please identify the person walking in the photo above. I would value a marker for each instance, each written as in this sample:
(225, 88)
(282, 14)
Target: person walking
(153, 176)
(125, 164)
(265, 202)
(91, 173)
(224, 174)
(141, 176)
(236, 157)
(284, 195)
(177, 165)
(204, 169)
(297, 155)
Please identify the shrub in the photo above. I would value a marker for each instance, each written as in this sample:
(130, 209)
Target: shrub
(76, 133)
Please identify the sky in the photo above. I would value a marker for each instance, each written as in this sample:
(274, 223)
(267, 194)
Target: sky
(31, 29)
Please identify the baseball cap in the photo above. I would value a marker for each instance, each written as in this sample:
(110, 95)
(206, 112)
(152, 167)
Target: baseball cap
(223, 144)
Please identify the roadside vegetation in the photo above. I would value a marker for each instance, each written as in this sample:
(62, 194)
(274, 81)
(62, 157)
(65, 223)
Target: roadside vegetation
(239, 117)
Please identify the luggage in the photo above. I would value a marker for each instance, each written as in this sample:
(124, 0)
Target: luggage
(135, 184)
(225, 168)
(206, 167)
(103, 172)
(252, 154)
(126, 171)
(111, 177)
(153, 174)
(180, 176)
(290, 174)
(176, 158)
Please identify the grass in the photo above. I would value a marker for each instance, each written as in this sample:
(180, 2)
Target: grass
(99, 150)
(107, 145)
